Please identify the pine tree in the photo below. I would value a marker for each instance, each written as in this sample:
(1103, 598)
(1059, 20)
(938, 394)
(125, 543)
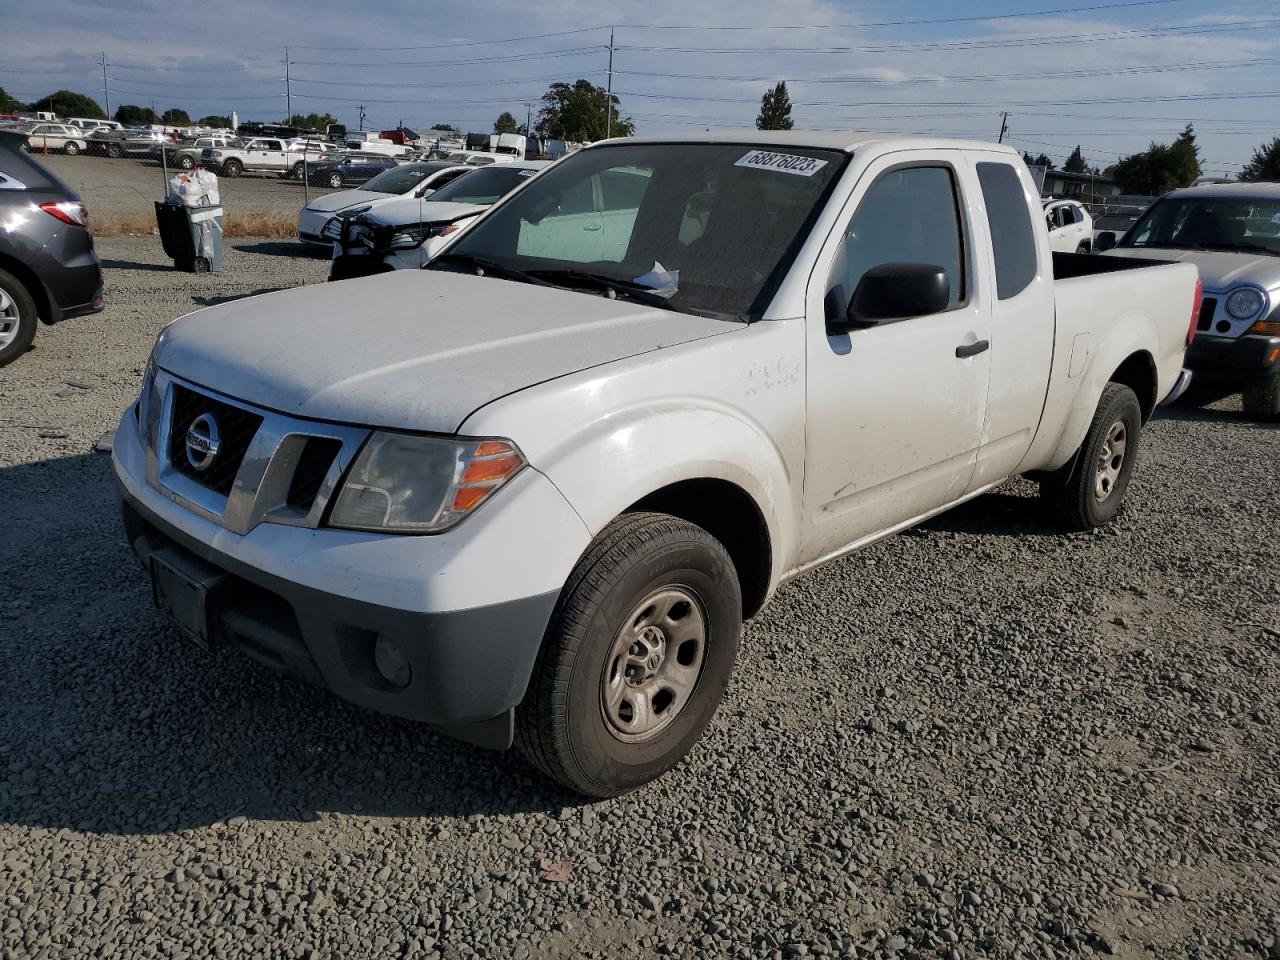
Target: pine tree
(1075, 163)
(1265, 164)
(775, 109)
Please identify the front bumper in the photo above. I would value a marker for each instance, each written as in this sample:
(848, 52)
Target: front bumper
(1237, 360)
(466, 611)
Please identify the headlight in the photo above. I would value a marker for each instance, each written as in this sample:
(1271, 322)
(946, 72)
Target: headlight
(413, 237)
(150, 404)
(1245, 303)
(402, 483)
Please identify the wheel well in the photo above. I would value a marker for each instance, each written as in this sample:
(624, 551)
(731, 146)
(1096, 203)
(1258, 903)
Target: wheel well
(1138, 373)
(728, 513)
(29, 280)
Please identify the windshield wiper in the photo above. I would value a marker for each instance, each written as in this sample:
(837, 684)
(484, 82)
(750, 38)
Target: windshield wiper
(484, 268)
(1253, 247)
(612, 286)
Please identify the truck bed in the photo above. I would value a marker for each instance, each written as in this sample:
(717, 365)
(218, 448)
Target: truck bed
(1068, 266)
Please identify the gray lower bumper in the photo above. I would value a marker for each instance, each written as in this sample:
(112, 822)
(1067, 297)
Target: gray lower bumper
(466, 670)
(1180, 387)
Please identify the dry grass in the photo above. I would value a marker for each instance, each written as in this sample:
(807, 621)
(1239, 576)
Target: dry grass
(275, 225)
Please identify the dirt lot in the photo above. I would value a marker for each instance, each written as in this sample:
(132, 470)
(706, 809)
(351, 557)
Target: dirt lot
(982, 738)
(124, 190)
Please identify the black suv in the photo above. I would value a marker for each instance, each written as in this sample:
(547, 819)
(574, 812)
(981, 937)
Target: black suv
(48, 268)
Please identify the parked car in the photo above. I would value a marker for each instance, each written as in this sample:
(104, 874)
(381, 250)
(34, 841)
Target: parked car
(62, 137)
(256, 155)
(88, 124)
(48, 268)
(129, 141)
(405, 180)
(1231, 232)
(531, 497)
(346, 169)
(1070, 226)
(186, 154)
(1117, 218)
(405, 233)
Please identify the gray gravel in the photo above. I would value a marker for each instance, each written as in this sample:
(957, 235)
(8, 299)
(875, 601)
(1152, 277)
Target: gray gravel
(982, 738)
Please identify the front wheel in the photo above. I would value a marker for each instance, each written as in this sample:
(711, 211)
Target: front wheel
(71, 149)
(335, 180)
(636, 658)
(232, 168)
(1083, 248)
(115, 152)
(186, 162)
(1088, 490)
(1262, 399)
(17, 318)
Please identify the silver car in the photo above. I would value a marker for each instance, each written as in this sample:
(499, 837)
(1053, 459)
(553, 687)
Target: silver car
(1232, 233)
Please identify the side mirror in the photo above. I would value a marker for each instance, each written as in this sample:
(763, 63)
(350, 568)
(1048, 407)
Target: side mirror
(427, 192)
(1104, 241)
(896, 291)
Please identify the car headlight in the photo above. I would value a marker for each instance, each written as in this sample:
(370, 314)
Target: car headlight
(150, 404)
(1245, 303)
(403, 483)
(413, 237)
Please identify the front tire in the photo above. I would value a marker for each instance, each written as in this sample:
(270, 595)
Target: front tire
(186, 162)
(1261, 399)
(115, 152)
(18, 318)
(232, 168)
(636, 659)
(1083, 248)
(335, 180)
(71, 149)
(1088, 490)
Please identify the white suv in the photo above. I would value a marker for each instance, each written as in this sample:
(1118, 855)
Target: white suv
(56, 136)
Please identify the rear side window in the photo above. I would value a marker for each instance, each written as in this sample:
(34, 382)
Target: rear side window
(1012, 235)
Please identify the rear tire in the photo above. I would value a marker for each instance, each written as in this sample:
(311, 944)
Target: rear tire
(18, 318)
(1083, 248)
(232, 168)
(186, 162)
(1088, 490)
(295, 172)
(71, 149)
(636, 658)
(115, 152)
(1261, 399)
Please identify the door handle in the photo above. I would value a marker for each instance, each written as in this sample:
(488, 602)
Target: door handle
(973, 349)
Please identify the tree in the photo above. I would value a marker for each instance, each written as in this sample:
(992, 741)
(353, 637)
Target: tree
(775, 109)
(214, 120)
(578, 113)
(131, 115)
(505, 123)
(1162, 167)
(1040, 161)
(7, 103)
(1265, 163)
(1075, 163)
(176, 117)
(444, 127)
(65, 103)
(312, 121)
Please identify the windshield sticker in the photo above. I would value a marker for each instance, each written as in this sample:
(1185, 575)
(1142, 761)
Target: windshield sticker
(527, 173)
(781, 162)
(1276, 218)
(663, 282)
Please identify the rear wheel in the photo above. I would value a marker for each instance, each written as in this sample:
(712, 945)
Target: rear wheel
(1087, 492)
(1083, 248)
(17, 318)
(232, 168)
(115, 152)
(1262, 399)
(186, 161)
(71, 149)
(636, 658)
(295, 172)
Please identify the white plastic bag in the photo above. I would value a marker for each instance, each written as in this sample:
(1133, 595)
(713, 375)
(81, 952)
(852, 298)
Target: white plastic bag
(194, 188)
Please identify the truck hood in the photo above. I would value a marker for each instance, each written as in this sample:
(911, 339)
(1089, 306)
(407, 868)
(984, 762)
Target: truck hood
(333, 202)
(412, 349)
(1218, 269)
(404, 211)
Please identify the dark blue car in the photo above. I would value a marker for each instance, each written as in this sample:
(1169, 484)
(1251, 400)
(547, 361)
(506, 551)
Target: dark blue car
(349, 168)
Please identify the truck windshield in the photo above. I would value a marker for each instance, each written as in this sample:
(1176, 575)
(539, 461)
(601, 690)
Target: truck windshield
(1247, 224)
(704, 228)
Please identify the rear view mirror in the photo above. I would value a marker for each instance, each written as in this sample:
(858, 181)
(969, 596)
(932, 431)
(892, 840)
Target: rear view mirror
(1105, 241)
(897, 291)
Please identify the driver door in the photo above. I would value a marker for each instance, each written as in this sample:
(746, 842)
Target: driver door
(895, 411)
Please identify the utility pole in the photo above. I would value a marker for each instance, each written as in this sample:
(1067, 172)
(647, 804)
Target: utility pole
(528, 123)
(1004, 125)
(608, 99)
(106, 96)
(288, 90)
(362, 116)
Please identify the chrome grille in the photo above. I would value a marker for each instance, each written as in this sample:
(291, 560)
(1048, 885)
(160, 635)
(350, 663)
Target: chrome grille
(236, 427)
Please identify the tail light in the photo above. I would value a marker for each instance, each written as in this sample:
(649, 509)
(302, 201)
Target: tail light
(1196, 302)
(68, 211)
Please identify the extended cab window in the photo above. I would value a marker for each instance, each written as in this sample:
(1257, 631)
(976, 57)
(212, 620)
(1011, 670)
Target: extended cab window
(909, 215)
(1013, 238)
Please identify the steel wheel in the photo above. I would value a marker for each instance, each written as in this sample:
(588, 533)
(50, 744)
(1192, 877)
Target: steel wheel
(654, 664)
(10, 319)
(1110, 460)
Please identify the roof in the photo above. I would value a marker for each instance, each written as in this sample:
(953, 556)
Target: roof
(817, 139)
(1240, 191)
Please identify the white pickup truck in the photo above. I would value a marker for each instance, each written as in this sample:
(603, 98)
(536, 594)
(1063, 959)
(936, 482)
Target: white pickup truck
(531, 498)
(257, 155)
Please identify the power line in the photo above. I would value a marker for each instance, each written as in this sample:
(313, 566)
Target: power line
(512, 58)
(463, 43)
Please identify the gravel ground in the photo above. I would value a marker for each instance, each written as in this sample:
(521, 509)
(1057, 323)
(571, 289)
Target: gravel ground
(982, 738)
(129, 187)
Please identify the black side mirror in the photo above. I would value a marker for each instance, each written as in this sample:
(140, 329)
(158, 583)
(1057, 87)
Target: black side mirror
(896, 291)
(1105, 241)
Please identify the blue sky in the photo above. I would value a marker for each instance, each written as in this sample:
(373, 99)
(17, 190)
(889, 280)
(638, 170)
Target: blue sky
(1111, 79)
